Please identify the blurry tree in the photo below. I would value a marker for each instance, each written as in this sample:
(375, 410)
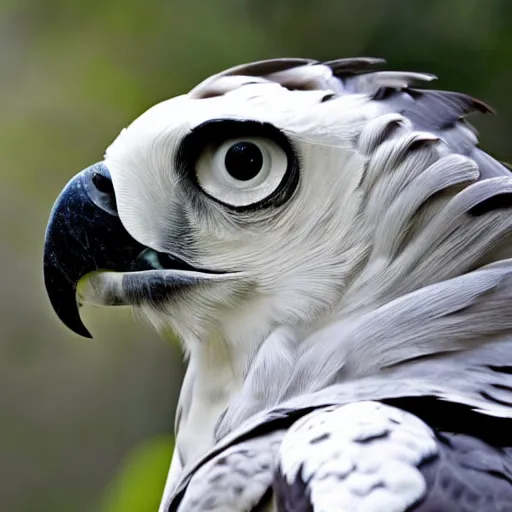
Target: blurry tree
(72, 75)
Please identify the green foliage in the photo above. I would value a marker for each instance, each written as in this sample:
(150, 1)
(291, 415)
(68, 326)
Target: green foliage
(140, 482)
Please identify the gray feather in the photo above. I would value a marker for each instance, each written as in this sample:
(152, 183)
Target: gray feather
(468, 476)
(439, 112)
(236, 479)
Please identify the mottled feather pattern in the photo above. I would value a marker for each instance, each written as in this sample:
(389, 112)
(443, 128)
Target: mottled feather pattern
(361, 456)
(237, 479)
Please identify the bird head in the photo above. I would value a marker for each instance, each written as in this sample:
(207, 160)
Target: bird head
(229, 209)
(273, 194)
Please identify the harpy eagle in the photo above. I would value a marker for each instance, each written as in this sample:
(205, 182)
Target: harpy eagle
(332, 249)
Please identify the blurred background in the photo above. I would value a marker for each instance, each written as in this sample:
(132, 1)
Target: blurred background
(85, 425)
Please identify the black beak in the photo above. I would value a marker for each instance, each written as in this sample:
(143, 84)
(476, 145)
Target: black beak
(84, 234)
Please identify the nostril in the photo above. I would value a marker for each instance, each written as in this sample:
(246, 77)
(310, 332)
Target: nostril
(99, 187)
(102, 183)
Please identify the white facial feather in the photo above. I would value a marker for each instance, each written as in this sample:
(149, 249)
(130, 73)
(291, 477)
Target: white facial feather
(141, 163)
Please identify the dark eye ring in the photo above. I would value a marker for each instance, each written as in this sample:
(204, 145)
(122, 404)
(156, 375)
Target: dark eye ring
(242, 171)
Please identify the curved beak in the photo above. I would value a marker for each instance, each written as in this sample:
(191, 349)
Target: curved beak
(84, 234)
(85, 237)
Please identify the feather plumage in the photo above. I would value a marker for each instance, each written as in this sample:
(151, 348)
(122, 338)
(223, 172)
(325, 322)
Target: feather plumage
(382, 275)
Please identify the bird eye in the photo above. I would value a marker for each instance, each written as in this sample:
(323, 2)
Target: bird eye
(241, 172)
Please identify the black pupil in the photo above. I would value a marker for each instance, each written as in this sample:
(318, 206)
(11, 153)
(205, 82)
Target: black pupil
(243, 161)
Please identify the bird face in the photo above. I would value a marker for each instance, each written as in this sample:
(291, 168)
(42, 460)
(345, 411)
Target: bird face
(208, 209)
